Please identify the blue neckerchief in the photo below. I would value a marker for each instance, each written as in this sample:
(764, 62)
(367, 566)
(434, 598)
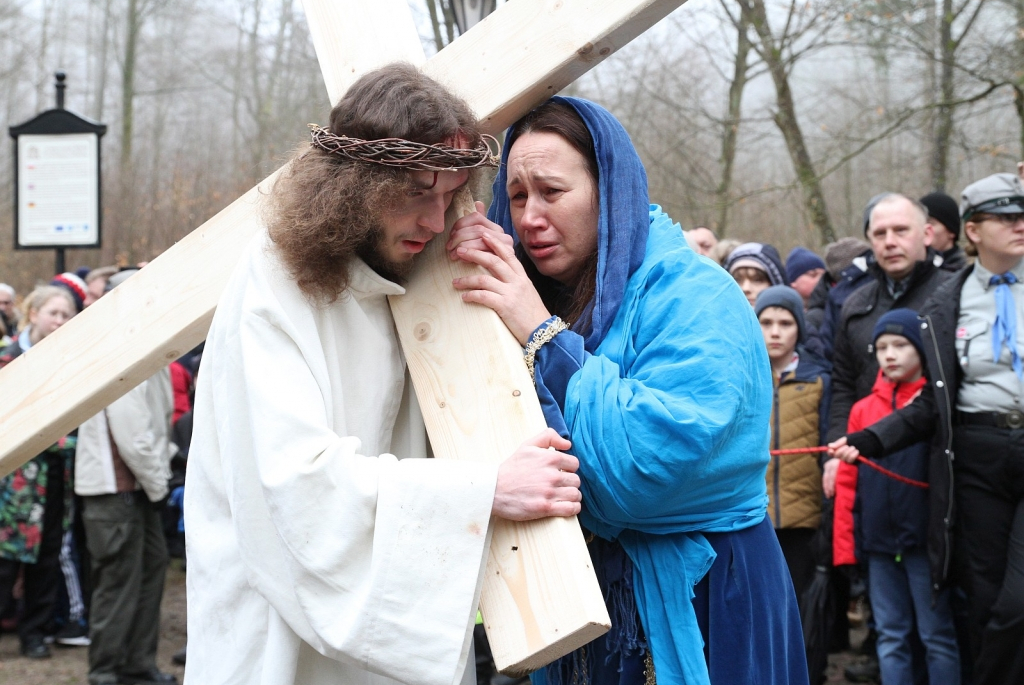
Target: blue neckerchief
(1004, 331)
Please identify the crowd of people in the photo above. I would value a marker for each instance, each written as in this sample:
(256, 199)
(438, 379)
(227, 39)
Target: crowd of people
(872, 356)
(855, 450)
(85, 526)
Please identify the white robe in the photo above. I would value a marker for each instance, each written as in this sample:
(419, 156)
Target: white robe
(308, 561)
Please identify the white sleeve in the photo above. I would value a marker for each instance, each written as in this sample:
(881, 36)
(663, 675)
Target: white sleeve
(370, 560)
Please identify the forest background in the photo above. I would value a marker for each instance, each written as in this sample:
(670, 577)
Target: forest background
(769, 120)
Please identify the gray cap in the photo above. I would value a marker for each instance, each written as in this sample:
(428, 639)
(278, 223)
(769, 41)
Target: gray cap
(119, 278)
(995, 194)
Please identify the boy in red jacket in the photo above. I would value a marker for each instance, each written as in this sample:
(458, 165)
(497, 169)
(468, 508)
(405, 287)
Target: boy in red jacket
(885, 522)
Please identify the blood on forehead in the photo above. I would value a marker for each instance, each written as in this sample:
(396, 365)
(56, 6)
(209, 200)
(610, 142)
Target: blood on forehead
(459, 141)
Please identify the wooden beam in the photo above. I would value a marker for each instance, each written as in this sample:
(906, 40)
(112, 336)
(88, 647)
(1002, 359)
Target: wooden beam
(385, 33)
(166, 308)
(540, 596)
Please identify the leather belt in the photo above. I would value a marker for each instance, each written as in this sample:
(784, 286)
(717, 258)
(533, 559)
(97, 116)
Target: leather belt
(1012, 420)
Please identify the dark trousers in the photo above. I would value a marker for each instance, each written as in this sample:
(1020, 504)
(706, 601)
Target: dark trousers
(43, 578)
(989, 489)
(796, 547)
(129, 560)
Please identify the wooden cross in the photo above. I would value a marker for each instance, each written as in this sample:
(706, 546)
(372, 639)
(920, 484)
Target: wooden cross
(540, 597)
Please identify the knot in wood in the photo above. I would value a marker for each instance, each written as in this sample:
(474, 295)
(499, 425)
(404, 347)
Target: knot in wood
(422, 331)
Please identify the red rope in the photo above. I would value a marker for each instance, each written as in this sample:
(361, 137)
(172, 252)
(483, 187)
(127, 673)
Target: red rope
(862, 460)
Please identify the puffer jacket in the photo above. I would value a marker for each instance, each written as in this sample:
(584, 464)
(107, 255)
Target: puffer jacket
(822, 338)
(854, 364)
(799, 413)
(874, 512)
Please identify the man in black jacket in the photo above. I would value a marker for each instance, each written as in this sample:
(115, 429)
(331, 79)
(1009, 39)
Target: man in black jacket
(905, 273)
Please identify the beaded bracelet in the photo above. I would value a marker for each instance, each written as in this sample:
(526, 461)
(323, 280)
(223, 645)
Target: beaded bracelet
(537, 340)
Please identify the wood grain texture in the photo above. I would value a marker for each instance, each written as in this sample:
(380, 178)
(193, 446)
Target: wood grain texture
(540, 597)
(529, 50)
(346, 49)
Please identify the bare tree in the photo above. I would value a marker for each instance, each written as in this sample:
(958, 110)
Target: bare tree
(779, 54)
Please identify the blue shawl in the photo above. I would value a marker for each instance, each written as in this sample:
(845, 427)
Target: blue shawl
(667, 400)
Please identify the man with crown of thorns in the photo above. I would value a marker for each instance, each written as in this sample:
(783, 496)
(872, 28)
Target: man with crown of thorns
(319, 551)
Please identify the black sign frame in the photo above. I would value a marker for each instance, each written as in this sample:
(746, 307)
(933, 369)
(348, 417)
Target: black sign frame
(60, 121)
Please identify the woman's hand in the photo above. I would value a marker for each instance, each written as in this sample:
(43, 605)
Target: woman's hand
(505, 288)
(468, 231)
(828, 478)
(841, 450)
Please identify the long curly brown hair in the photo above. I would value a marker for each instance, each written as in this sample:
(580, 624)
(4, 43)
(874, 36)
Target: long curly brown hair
(323, 211)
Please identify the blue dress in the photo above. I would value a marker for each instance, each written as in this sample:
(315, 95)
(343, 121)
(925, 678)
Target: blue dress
(666, 396)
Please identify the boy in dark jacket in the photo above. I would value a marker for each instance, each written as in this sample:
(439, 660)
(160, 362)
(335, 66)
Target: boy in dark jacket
(886, 521)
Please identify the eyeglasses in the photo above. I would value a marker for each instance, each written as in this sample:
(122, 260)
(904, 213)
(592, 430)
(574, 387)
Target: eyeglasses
(1004, 219)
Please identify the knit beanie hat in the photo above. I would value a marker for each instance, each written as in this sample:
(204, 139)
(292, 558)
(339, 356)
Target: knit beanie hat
(945, 209)
(758, 256)
(800, 261)
(74, 285)
(900, 322)
(785, 297)
(841, 254)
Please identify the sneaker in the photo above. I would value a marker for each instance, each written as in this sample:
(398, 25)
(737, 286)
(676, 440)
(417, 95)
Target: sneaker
(151, 677)
(864, 672)
(35, 649)
(73, 635)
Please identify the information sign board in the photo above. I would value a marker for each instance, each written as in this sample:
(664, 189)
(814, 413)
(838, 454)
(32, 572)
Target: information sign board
(58, 190)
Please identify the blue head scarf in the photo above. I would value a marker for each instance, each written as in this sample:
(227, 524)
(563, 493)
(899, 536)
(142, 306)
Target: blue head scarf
(622, 192)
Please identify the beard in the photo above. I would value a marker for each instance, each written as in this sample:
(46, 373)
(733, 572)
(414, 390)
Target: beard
(373, 251)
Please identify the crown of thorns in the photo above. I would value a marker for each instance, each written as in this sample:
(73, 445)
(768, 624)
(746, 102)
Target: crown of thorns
(406, 154)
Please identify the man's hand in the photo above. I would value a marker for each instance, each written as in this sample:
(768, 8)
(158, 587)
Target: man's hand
(841, 450)
(828, 478)
(537, 482)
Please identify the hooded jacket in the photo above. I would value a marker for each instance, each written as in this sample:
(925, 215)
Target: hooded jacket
(873, 512)
(799, 419)
(854, 364)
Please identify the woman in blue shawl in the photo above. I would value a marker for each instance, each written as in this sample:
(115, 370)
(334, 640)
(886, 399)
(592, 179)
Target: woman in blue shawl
(654, 366)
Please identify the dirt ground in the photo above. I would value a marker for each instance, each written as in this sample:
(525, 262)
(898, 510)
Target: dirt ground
(69, 665)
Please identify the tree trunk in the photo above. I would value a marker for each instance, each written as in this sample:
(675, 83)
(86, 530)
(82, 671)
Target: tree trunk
(944, 115)
(1018, 86)
(133, 24)
(785, 118)
(732, 124)
(435, 24)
